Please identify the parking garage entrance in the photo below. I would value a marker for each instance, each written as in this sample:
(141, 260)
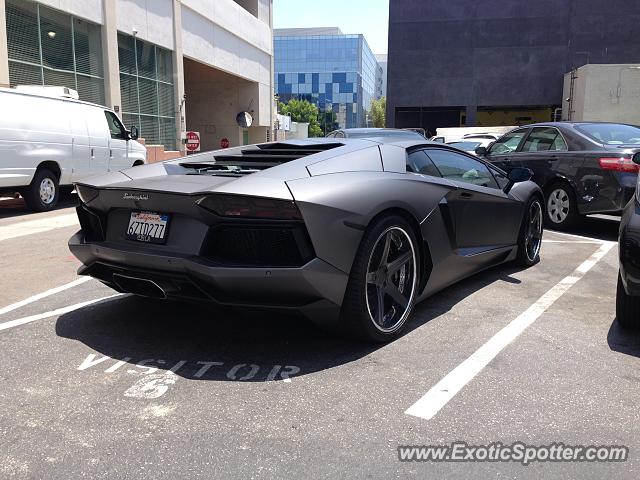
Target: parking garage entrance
(213, 101)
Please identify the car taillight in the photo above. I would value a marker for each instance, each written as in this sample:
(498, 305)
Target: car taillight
(239, 206)
(619, 164)
(86, 194)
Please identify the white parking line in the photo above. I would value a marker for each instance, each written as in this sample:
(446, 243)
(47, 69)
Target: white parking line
(580, 237)
(590, 242)
(52, 313)
(30, 227)
(443, 391)
(42, 295)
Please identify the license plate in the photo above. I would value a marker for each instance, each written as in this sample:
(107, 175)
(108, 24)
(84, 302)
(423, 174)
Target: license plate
(149, 227)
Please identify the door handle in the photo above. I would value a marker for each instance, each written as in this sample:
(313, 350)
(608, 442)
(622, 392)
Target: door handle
(92, 155)
(110, 153)
(466, 195)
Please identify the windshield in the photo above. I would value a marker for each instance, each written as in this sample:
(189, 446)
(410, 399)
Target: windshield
(467, 146)
(385, 133)
(612, 133)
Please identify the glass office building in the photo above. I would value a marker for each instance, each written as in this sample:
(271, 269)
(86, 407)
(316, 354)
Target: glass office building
(336, 72)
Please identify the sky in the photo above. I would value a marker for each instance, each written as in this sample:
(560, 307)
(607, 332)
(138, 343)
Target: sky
(369, 17)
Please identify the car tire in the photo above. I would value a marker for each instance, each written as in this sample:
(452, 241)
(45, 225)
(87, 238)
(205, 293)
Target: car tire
(531, 231)
(627, 308)
(561, 207)
(383, 283)
(43, 193)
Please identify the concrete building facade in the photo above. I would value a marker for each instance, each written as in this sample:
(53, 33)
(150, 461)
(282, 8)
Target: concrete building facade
(604, 93)
(471, 62)
(166, 66)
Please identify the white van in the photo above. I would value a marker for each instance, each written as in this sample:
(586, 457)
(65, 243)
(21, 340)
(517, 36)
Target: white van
(51, 141)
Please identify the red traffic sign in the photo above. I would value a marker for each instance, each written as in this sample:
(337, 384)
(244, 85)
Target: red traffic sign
(193, 141)
(224, 143)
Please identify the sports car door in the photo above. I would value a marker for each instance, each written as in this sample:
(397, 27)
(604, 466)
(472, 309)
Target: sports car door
(484, 216)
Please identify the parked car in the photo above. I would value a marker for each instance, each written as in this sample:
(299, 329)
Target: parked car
(470, 144)
(456, 134)
(583, 168)
(374, 133)
(351, 233)
(628, 294)
(52, 141)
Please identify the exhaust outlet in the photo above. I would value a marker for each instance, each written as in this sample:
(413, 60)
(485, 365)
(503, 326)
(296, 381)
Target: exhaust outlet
(139, 286)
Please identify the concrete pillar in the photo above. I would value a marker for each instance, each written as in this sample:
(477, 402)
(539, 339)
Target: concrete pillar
(273, 114)
(110, 57)
(4, 53)
(178, 76)
(472, 113)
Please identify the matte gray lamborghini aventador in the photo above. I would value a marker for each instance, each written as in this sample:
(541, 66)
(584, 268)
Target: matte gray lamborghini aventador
(351, 232)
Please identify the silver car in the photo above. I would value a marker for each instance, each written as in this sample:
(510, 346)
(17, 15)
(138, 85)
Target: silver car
(353, 233)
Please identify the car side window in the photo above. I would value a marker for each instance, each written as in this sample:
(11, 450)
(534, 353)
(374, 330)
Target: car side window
(501, 178)
(508, 143)
(419, 162)
(460, 168)
(559, 145)
(543, 139)
(116, 128)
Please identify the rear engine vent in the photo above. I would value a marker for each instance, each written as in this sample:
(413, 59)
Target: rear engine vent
(93, 224)
(254, 159)
(258, 245)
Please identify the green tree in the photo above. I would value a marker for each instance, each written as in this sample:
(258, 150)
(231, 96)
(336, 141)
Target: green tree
(379, 112)
(302, 111)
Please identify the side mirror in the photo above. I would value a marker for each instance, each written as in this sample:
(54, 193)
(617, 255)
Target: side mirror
(517, 175)
(636, 158)
(481, 151)
(133, 133)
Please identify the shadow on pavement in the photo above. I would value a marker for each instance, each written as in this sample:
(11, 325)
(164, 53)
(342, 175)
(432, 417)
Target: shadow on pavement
(623, 341)
(15, 207)
(598, 227)
(135, 329)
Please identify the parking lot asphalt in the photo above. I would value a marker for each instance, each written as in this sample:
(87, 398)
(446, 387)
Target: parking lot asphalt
(102, 386)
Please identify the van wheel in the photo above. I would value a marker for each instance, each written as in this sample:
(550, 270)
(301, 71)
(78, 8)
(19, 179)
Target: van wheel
(43, 193)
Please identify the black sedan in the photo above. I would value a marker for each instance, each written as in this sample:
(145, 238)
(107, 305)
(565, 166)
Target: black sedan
(628, 297)
(583, 168)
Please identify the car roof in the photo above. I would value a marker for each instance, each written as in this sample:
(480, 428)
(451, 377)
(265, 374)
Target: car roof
(13, 91)
(371, 130)
(568, 123)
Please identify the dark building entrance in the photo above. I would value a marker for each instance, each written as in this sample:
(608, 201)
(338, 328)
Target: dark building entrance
(429, 118)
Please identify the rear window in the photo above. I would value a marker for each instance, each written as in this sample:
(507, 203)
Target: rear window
(468, 146)
(611, 133)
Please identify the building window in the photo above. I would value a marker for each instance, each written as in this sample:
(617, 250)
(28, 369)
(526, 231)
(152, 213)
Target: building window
(146, 87)
(47, 47)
